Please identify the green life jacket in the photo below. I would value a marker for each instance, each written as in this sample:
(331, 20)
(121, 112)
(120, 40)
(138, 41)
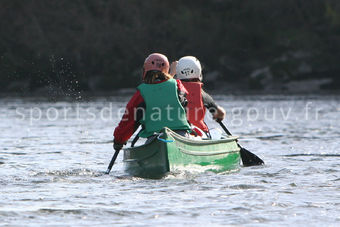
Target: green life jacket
(163, 108)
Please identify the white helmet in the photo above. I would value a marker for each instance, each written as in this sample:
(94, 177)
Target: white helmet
(189, 67)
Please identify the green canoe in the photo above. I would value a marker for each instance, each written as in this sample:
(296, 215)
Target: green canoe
(170, 151)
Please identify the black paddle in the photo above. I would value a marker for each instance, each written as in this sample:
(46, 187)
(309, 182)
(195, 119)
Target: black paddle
(248, 158)
(112, 162)
(136, 138)
(117, 152)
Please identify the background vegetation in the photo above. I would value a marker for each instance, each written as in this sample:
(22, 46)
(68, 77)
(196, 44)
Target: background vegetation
(100, 45)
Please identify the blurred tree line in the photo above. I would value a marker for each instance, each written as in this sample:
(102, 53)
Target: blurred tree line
(100, 45)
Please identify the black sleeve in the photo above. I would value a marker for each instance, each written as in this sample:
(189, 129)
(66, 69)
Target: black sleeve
(208, 102)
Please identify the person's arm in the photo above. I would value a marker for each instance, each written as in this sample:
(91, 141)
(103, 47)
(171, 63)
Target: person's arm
(217, 111)
(172, 70)
(129, 122)
(182, 93)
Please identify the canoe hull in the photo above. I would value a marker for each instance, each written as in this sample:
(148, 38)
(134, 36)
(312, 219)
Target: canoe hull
(147, 161)
(170, 151)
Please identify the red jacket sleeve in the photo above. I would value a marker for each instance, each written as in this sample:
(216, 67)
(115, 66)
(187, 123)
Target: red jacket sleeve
(128, 125)
(181, 87)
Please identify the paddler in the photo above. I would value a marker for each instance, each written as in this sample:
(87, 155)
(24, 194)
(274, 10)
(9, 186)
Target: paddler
(158, 102)
(189, 71)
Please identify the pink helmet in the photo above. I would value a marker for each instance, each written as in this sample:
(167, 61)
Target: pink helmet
(157, 62)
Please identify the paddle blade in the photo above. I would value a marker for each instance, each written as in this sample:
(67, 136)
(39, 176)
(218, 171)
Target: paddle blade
(250, 159)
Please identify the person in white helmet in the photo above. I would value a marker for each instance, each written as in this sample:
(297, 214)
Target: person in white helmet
(189, 71)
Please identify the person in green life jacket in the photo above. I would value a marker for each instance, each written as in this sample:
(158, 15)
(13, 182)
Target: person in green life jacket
(189, 71)
(158, 102)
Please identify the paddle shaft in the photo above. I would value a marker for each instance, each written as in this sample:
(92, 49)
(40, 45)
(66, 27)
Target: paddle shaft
(112, 162)
(117, 152)
(135, 139)
(224, 128)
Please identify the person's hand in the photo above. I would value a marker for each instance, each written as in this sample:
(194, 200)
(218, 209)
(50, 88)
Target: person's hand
(117, 146)
(173, 66)
(219, 114)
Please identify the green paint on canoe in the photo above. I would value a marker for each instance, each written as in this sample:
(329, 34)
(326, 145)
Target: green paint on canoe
(156, 158)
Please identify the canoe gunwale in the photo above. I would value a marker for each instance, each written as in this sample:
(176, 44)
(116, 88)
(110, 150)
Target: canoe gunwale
(185, 140)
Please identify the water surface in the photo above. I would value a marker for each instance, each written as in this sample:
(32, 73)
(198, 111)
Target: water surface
(52, 165)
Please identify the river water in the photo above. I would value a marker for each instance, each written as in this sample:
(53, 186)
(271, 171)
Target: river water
(53, 155)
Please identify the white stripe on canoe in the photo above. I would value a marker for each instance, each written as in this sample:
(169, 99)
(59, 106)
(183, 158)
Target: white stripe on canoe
(205, 153)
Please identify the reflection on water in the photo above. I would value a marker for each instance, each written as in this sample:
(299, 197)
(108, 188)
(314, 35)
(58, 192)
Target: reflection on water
(52, 167)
